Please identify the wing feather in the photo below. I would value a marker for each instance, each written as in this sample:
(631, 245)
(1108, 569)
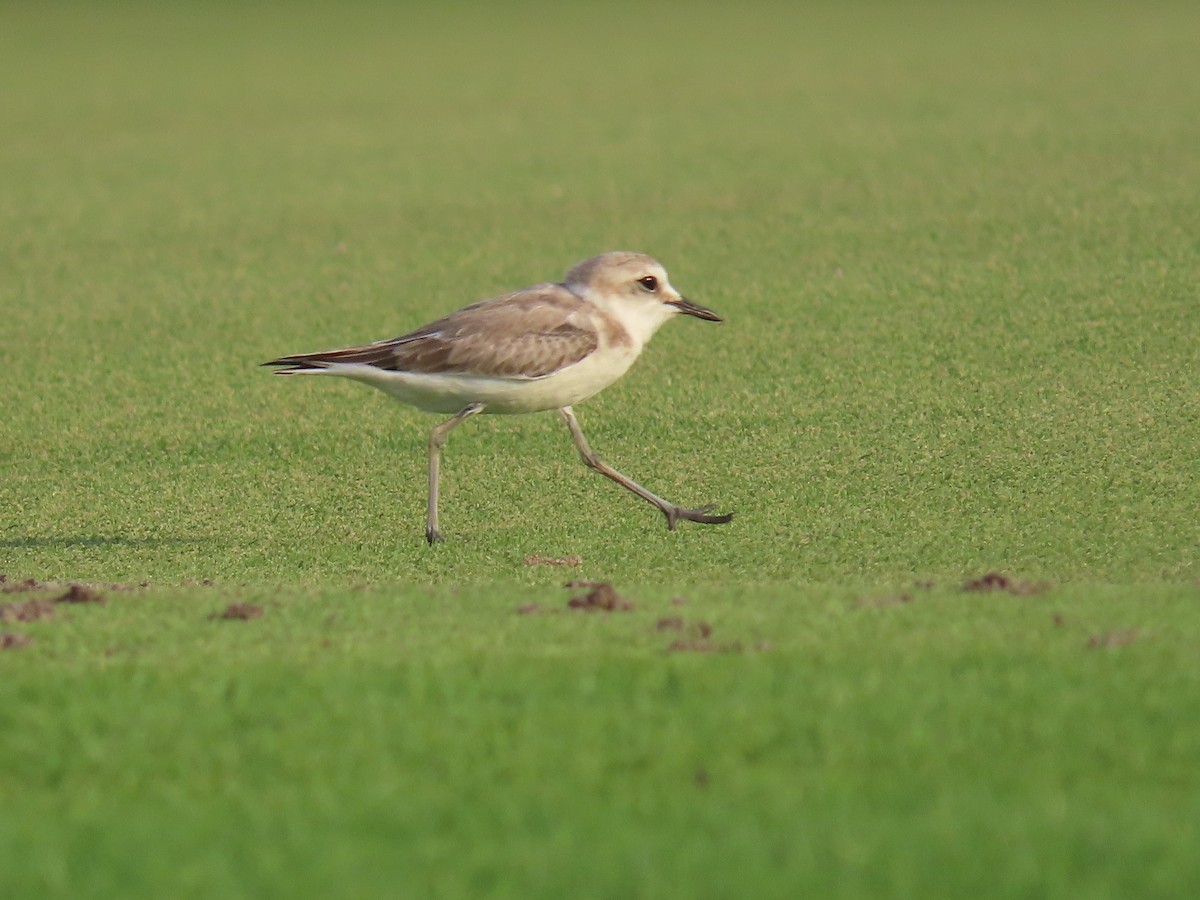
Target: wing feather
(527, 334)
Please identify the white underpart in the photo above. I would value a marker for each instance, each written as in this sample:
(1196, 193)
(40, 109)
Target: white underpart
(450, 393)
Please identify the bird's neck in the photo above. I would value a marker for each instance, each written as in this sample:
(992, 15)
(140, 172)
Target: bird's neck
(639, 320)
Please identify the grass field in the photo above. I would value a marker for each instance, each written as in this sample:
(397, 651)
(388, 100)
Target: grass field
(956, 249)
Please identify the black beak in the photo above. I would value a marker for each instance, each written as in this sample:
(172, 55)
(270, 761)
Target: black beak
(684, 305)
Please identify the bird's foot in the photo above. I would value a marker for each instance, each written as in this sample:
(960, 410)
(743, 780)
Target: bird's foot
(433, 535)
(701, 515)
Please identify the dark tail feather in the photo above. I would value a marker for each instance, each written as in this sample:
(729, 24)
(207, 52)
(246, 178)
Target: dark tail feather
(371, 355)
(290, 365)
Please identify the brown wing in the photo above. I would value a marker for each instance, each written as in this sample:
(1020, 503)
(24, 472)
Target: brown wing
(526, 334)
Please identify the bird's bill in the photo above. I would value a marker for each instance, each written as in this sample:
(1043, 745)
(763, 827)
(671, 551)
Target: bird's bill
(684, 305)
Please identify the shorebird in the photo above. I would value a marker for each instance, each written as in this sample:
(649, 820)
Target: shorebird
(546, 347)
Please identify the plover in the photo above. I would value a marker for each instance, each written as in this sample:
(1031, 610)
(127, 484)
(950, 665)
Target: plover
(546, 347)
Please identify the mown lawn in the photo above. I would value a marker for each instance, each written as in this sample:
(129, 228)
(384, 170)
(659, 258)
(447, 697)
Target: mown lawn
(956, 252)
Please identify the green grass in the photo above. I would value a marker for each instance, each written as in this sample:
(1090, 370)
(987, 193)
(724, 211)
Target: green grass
(956, 251)
(350, 743)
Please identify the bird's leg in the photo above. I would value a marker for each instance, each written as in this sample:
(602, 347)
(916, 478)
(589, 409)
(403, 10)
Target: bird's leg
(670, 510)
(437, 440)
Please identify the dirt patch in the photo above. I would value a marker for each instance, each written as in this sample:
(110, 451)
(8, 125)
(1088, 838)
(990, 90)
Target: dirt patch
(890, 600)
(700, 778)
(242, 611)
(9, 586)
(12, 641)
(699, 640)
(998, 581)
(601, 596)
(1122, 638)
(41, 608)
(536, 559)
(679, 601)
(28, 611)
(691, 646)
(703, 645)
(529, 609)
(699, 628)
(80, 593)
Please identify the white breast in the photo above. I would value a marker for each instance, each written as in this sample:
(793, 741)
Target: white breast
(450, 393)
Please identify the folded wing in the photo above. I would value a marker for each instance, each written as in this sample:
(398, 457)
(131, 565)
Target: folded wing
(526, 334)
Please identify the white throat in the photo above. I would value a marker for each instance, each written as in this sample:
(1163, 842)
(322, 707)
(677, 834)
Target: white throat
(639, 316)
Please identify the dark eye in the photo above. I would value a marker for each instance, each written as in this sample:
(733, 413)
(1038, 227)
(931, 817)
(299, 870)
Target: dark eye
(649, 282)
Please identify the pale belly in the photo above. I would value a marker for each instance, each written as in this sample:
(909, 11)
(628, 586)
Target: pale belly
(449, 394)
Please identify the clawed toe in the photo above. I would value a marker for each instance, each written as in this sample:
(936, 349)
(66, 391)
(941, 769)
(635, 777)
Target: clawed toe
(701, 515)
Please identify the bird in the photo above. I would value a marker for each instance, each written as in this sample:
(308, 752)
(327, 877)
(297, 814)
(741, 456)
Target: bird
(545, 347)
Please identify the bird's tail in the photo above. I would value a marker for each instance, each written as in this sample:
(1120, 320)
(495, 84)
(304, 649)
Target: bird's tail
(300, 363)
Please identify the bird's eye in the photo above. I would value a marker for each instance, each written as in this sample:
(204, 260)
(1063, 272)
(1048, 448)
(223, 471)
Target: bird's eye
(649, 282)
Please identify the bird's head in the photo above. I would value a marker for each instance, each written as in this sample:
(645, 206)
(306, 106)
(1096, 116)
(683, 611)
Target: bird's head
(635, 288)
